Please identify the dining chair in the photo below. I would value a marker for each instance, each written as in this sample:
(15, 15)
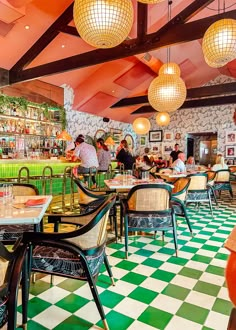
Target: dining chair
(90, 199)
(222, 182)
(10, 233)
(198, 191)
(211, 175)
(78, 254)
(148, 208)
(13, 271)
(178, 199)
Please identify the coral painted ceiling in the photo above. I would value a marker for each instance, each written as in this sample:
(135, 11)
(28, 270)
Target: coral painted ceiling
(38, 41)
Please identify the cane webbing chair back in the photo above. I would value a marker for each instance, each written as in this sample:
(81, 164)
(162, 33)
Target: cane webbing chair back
(222, 176)
(21, 189)
(180, 188)
(198, 181)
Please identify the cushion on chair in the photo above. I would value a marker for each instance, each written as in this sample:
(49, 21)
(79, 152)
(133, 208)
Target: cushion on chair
(222, 186)
(13, 232)
(62, 262)
(151, 220)
(3, 311)
(197, 196)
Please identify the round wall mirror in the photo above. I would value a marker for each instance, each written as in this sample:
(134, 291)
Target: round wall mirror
(130, 141)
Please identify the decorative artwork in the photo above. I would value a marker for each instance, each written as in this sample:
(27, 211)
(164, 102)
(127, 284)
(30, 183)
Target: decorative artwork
(230, 137)
(167, 147)
(143, 140)
(230, 151)
(156, 148)
(155, 136)
(168, 136)
(177, 136)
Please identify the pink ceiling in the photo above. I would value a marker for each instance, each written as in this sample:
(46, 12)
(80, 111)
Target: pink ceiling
(98, 87)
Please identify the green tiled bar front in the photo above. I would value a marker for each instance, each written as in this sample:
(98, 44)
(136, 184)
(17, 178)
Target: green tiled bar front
(10, 169)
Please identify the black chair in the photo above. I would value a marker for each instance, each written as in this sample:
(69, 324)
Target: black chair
(222, 182)
(90, 199)
(178, 199)
(77, 254)
(10, 233)
(11, 275)
(147, 208)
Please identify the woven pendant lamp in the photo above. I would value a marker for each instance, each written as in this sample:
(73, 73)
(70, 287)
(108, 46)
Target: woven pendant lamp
(103, 23)
(163, 119)
(219, 43)
(141, 125)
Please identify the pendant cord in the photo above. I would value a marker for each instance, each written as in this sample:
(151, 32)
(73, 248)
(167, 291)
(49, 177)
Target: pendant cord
(169, 18)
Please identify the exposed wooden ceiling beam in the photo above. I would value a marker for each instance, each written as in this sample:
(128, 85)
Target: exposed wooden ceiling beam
(4, 77)
(142, 20)
(213, 101)
(180, 33)
(71, 30)
(198, 92)
(51, 33)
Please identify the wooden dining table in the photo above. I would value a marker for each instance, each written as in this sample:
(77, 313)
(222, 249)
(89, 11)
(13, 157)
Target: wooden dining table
(18, 213)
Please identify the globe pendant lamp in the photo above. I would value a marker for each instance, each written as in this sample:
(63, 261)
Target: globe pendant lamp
(141, 125)
(150, 1)
(219, 43)
(167, 92)
(103, 23)
(163, 119)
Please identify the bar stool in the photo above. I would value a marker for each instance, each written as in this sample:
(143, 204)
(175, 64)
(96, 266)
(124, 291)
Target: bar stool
(68, 174)
(119, 170)
(21, 178)
(46, 177)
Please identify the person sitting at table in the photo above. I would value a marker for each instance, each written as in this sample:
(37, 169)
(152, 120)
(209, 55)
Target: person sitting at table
(161, 163)
(220, 163)
(190, 164)
(179, 165)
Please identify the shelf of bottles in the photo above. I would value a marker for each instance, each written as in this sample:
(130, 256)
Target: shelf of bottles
(26, 131)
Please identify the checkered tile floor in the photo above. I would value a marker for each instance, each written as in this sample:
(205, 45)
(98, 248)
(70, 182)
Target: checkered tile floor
(154, 289)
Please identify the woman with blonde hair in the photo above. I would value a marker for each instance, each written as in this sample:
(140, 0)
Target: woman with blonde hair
(220, 163)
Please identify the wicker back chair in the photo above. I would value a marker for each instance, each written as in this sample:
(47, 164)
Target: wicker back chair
(10, 233)
(222, 182)
(90, 199)
(147, 208)
(77, 254)
(198, 191)
(178, 198)
(11, 275)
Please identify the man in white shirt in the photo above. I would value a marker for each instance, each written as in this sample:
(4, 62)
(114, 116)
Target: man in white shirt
(179, 165)
(88, 157)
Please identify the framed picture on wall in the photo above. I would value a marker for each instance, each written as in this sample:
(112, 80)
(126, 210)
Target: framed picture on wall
(230, 137)
(167, 147)
(143, 140)
(230, 151)
(155, 136)
(168, 136)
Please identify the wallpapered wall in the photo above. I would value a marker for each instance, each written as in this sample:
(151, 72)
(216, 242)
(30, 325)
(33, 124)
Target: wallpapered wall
(207, 119)
(83, 123)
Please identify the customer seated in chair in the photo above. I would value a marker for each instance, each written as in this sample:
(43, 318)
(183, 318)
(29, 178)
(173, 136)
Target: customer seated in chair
(179, 165)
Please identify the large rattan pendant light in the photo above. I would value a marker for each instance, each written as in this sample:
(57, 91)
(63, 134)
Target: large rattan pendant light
(219, 41)
(167, 92)
(103, 23)
(141, 125)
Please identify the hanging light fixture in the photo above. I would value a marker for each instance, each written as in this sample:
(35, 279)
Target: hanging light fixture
(109, 141)
(103, 23)
(150, 1)
(163, 119)
(219, 43)
(64, 136)
(167, 92)
(141, 125)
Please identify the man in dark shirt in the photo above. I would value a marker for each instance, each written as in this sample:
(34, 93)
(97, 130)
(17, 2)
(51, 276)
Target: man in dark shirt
(174, 154)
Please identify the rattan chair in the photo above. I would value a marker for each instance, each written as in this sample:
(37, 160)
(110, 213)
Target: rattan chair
(11, 267)
(147, 208)
(178, 199)
(90, 199)
(222, 182)
(211, 175)
(10, 233)
(232, 169)
(78, 254)
(198, 191)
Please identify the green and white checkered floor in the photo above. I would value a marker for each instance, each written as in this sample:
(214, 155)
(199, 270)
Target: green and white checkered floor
(154, 289)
